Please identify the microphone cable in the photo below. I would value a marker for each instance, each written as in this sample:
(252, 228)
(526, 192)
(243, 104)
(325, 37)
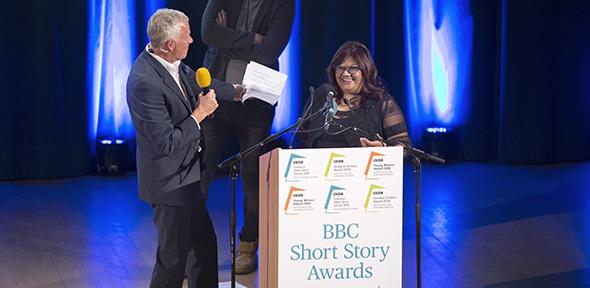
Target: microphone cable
(377, 136)
(307, 110)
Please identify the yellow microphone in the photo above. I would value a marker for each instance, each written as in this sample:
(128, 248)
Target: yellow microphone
(203, 79)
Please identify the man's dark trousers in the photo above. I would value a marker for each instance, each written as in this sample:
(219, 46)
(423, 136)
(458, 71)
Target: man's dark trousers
(184, 229)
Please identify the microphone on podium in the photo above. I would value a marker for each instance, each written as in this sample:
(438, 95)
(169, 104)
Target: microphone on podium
(203, 79)
(330, 106)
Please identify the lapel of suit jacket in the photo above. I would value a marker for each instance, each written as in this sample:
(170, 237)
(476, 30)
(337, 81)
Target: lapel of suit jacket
(190, 93)
(184, 72)
(168, 80)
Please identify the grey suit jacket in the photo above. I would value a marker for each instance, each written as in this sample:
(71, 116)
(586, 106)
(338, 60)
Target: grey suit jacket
(168, 139)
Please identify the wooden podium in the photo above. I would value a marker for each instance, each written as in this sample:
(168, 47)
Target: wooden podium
(331, 218)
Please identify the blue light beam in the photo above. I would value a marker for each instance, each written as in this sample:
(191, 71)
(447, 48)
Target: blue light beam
(110, 44)
(287, 109)
(438, 52)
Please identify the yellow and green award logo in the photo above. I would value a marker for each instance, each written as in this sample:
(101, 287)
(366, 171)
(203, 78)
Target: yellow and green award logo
(333, 159)
(373, 189)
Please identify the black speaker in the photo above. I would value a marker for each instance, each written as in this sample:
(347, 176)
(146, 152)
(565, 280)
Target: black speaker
(112, 157)
(442, 142)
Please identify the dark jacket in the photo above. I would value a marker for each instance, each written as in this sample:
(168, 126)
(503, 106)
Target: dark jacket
(168, 138)
(274, 21)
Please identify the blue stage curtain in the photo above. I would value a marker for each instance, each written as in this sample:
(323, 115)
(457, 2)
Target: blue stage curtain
(529, 97)
(44, 113)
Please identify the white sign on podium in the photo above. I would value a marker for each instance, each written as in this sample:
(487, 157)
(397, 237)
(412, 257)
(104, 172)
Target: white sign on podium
(340, 218)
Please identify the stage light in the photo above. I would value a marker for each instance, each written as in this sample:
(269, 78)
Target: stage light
(287, 109)
(112, 157)
(441, 142)
(438, 52)
(436, 130)
(111, 50)
(111, 47)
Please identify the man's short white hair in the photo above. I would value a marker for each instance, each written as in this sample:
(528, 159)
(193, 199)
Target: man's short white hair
(165, 25)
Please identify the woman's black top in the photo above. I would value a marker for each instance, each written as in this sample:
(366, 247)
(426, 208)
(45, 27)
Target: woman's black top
(370, 117)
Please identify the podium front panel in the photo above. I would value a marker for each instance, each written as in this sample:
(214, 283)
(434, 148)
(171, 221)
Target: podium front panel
(338, 218)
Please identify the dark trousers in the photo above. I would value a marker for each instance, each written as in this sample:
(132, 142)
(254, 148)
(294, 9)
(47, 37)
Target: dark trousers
(251, 122)
(184, 229)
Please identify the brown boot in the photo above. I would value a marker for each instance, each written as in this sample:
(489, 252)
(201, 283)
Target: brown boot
(246, 260)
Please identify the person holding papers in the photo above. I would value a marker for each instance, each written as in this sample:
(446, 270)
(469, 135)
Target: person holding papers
(366, 114)
(238, 32)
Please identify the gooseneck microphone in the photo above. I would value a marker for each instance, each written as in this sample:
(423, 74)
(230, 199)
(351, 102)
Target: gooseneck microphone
(331, 107)
(408, 148)
(203, 79)
(303, 116)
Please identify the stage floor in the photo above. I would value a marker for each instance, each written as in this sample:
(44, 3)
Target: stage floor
(483, 225)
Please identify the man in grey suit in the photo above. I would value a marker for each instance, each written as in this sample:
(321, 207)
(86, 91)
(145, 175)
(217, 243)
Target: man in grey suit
(167, 111)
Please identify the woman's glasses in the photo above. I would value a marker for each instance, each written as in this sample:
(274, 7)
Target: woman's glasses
(351, 69)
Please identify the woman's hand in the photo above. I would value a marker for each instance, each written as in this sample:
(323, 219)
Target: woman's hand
(368, 143)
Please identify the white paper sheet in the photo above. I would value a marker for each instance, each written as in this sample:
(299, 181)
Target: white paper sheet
(263, 83)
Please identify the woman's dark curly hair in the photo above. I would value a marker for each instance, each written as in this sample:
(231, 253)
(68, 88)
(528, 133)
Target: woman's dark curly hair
(372, 85)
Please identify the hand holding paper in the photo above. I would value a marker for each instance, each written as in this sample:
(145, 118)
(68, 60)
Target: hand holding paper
(263, 83)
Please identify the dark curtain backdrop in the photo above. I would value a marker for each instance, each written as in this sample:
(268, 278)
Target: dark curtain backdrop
(325, 25)
(45, 99)
(194, 10)
(530, 91)
(43, 113)
(544, 113)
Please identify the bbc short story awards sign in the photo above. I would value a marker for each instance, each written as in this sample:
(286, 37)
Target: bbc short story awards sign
(340, 217)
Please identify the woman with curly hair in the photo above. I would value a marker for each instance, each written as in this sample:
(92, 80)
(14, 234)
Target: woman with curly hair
(366, 116)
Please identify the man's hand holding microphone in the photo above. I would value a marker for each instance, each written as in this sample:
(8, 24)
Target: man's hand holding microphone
(207, 102)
